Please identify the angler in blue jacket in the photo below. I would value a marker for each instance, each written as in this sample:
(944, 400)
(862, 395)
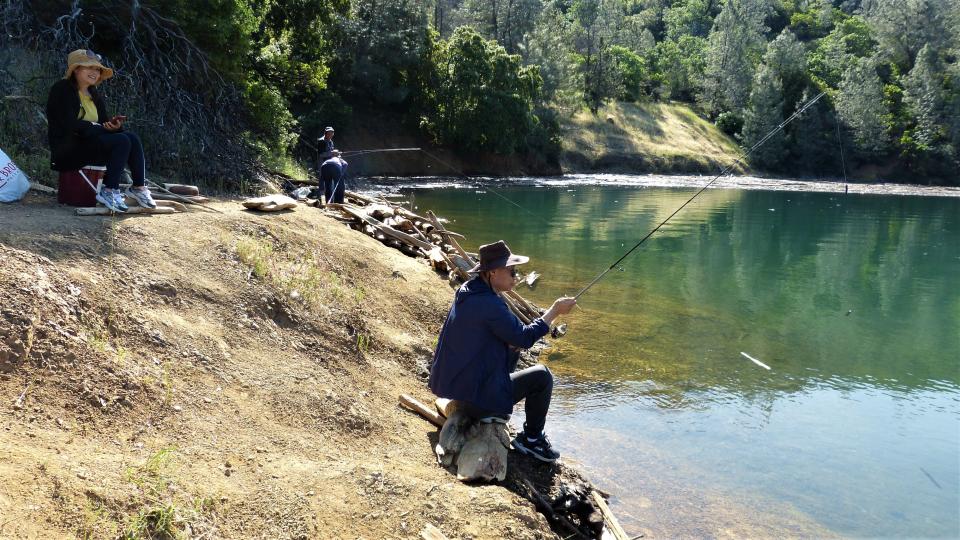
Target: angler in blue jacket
(478, 350)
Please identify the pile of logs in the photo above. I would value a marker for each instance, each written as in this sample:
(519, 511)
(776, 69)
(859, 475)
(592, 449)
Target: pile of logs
(422, 236)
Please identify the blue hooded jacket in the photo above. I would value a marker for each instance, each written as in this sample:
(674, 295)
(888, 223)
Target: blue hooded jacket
(473, 359)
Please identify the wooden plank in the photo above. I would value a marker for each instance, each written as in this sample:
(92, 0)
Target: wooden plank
(389, 231)
(103, 211)
(416, 406)
(608, 517)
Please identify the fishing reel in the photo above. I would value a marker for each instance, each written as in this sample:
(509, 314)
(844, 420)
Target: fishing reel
(558, 331)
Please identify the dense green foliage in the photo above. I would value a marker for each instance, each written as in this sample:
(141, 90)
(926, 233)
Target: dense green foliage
(889, 69)
(490, 76)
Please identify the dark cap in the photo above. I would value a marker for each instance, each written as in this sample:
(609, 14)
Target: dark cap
(497, 255)
(328, 128)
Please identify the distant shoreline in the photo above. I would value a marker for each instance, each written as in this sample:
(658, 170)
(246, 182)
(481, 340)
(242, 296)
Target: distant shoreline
(660, 180)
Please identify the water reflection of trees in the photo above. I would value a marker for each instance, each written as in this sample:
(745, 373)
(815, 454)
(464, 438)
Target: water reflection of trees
(771, 273)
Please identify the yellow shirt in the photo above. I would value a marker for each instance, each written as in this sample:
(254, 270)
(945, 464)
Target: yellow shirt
(89, 109)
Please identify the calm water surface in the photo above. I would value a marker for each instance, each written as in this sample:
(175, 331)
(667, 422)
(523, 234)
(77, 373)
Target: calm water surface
(852, 300)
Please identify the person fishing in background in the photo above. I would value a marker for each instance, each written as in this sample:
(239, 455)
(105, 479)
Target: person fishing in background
(327, 149)
(479, 347)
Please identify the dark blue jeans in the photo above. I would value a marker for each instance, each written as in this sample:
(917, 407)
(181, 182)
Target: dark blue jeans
(331, 176)
(535, 385)
(119, 150)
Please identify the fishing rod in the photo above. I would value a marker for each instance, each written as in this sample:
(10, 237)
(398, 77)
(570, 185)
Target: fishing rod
(486, 187)
(377, 150)
(724, 171)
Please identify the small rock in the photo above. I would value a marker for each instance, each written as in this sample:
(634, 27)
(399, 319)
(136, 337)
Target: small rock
(177, 408)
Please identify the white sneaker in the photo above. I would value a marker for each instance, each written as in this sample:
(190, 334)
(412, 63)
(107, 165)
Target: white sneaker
(142, 196)
(112, 199)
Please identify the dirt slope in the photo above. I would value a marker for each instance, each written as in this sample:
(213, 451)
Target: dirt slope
(221, 376)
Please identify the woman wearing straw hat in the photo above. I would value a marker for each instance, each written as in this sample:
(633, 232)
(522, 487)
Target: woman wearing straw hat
(82, 133)
(478, 350)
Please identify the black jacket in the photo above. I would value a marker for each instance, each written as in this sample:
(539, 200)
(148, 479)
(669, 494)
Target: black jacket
(72, 141)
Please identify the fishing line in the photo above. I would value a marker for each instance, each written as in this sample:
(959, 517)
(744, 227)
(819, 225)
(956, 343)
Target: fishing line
(495, 192)
(724, 171)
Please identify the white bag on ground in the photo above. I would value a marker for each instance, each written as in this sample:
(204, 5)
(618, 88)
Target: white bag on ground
(13, 183)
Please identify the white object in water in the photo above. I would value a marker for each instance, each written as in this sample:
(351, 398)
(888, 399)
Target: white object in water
(754, 360)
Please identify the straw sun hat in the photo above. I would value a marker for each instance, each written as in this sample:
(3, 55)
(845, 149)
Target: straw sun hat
(86, 58)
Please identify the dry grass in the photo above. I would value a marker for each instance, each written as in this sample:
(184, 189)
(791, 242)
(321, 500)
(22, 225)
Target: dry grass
(661, 137)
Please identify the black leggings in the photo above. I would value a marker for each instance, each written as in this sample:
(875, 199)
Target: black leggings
(535, 384)
(119, 150)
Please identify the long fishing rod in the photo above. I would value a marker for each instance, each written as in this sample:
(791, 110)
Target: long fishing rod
(724, 171)
(377, 150)
(495, 192)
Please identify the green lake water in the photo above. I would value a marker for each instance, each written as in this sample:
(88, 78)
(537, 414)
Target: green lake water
(852, 300)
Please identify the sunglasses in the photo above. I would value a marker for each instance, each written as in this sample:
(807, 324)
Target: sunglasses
(514, 273)
(90, 54)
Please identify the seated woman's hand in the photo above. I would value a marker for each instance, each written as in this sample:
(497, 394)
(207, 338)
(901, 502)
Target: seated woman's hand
(112, 125)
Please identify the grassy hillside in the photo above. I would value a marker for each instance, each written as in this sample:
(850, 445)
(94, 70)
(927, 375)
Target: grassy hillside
(644, 138)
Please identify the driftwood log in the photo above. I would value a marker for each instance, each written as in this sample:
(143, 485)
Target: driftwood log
(479, 450)
(182, 189)
(103, 211)
(270, 203)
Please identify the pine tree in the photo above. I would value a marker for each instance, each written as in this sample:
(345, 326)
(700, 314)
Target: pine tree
(735, 44)
(861, 106)
(923, 95)
(763, 114)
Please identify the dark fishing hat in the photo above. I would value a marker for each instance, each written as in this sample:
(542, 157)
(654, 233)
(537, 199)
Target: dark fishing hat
(497, 255)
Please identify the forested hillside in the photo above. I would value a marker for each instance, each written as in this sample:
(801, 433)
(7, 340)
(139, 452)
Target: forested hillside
(258, 80)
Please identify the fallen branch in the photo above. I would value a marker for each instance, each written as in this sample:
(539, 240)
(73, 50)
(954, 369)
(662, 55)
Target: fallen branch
(42, 188)
(609, 518)
(544, 506)
(103, 211)
(416, 406)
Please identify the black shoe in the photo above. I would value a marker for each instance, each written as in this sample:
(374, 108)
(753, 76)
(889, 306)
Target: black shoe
(539, 448)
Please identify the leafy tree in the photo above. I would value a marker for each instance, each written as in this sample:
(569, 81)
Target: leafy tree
(849, 40)
(861, 105)
(506, 21)
(903, 27)
(735, 44)
(688, 18)
(787, 59)
(594, 24)
(764, 113)
(385, 46)
(483, 98)
(632, 73)
(679, 67)
(549, 47)
(812, 139)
